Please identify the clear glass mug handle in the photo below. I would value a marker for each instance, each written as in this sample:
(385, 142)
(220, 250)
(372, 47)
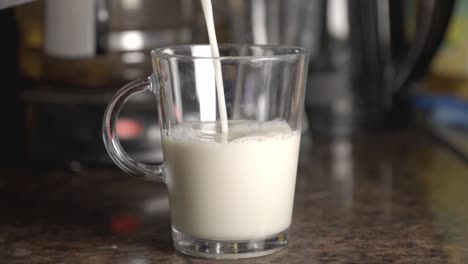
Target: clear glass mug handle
(111, 141)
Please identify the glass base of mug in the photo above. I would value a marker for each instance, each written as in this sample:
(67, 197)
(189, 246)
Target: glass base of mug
(212, 249)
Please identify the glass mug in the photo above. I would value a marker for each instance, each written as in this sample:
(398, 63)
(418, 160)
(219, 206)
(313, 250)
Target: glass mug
(230, 196)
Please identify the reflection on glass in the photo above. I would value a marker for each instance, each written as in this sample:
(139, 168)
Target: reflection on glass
(156, 205)
(341, 172)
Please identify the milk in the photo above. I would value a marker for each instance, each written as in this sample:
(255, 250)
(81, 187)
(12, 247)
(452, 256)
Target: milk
(241, 189)
(210, 26)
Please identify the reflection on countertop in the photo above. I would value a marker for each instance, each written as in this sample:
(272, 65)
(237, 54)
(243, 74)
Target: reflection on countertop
(388, 198)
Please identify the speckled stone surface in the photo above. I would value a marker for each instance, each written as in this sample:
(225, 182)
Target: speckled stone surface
(397, 198)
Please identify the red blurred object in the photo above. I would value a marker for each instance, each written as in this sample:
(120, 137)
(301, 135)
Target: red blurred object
(124, 224)
(128, 128)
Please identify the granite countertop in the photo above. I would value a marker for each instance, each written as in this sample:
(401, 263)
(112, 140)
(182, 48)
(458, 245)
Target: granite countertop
(388, 198)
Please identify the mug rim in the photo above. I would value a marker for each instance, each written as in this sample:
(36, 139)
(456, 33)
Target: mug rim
(160, 52)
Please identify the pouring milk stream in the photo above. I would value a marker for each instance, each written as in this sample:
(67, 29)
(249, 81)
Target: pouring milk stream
(208, 11)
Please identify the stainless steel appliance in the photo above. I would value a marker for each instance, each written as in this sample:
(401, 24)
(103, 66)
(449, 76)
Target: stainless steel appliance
(365, 54)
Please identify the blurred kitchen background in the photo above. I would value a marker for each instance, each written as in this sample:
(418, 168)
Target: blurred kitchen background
(375, 66)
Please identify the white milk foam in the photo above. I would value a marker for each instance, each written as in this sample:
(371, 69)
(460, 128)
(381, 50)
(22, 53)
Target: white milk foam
(241, 189)
(239, 131)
